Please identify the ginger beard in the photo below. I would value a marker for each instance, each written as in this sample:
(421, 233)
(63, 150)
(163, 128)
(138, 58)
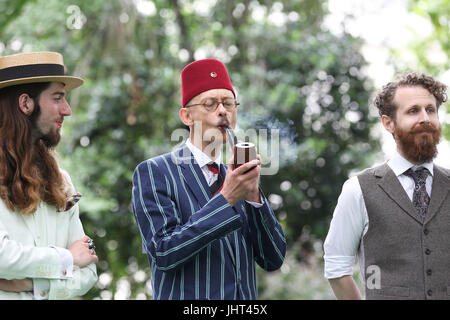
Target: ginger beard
(418, 145)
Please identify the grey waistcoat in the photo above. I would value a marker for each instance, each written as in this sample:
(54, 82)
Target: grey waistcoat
(403, 257)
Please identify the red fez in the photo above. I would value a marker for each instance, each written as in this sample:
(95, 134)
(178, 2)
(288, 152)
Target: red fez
(203, 75)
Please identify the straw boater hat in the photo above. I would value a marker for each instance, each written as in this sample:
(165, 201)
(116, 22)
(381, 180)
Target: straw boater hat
(35, 67)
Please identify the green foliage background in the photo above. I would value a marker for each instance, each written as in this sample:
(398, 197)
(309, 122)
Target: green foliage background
(438, 13)
(291, 74)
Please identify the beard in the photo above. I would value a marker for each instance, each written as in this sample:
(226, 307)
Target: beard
(49, 139)
(416, 146)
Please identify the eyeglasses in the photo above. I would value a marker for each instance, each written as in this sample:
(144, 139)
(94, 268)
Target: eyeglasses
(211, 104)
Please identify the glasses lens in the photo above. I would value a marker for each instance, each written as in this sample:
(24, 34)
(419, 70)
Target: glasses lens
(210, 104)
(229, 103)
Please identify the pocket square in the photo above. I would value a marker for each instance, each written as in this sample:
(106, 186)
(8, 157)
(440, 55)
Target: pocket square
(73, 200)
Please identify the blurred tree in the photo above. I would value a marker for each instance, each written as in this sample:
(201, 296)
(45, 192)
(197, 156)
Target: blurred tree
(433, 52)
(10, 10)
(292, 75)
(438, 42)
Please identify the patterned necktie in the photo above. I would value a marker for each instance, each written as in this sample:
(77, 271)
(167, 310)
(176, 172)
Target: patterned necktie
(421, 199)
(217, 185)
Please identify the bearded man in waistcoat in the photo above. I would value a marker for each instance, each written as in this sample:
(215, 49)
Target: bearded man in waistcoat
(396, 216)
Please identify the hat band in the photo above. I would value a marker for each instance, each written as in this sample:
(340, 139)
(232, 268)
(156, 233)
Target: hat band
(31, 70)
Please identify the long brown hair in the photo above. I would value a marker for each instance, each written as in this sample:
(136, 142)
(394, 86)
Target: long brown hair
(29, 172)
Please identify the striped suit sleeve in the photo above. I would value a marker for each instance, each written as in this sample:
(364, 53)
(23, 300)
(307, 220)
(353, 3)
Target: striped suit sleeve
(168, 240)
(269, 242)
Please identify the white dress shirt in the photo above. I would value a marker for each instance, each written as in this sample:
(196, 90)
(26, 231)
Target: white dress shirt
(350, 221)
(203, 160)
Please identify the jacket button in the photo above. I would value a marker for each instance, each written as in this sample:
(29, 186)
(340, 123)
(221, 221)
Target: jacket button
(430, 292)
(425, 231)
(427, 251)
(429, 272)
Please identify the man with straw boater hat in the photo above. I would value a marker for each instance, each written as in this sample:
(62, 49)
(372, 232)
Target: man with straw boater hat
(205, 226)
(44, 253)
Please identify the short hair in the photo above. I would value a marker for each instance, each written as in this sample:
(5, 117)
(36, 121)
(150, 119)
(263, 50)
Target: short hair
(384, 99)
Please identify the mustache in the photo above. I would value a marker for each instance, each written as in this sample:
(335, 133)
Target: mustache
(223, 122)
(424, 127)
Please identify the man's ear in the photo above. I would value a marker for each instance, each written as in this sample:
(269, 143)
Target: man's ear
(185, 116)
(26, 104)
(388, 123)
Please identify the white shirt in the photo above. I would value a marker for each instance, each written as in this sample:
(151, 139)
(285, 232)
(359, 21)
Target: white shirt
(350, 220)
(203, 160)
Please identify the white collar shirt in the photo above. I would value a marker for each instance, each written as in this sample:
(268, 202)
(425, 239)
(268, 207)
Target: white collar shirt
(350, 221)
(203, 160)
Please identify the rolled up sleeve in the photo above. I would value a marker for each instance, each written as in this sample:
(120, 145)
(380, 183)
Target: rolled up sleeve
(348, 225)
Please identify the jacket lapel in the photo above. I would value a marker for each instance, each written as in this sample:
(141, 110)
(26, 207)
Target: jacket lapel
(30, 223)
(192, 175)
(196, 182)
(392, 187)
(53, 218)
(39, 223)
(439, 191)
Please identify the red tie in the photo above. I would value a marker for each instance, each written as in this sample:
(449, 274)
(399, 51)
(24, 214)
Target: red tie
(218, 184)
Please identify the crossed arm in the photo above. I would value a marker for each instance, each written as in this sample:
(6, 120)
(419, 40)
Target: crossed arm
(81, 257)
(21, 265)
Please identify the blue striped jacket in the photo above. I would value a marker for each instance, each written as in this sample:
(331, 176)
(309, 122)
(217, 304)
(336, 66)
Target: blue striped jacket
(198, 246)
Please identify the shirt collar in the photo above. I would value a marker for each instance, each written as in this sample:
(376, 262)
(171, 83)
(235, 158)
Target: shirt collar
(200, 157)
(399, 164)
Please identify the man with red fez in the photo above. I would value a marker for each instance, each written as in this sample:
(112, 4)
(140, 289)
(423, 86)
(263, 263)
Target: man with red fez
(203, 224)
(44, 253)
